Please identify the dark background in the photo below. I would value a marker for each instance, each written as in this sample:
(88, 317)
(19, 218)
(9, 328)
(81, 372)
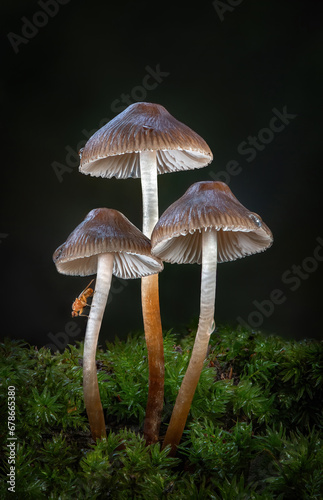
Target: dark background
(223, 76)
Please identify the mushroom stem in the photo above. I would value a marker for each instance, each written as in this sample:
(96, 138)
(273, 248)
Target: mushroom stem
(199, 352)
(149, 187)
(150, 304)
(90, 380)
(155, 349)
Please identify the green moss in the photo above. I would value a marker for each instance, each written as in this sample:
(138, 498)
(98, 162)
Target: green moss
(254, 430)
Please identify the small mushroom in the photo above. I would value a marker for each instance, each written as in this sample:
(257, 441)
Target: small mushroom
(205, 226)
(105, 243)
(143, 141)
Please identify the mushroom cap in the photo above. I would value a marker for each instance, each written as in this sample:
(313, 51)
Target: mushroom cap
(113, 151)
(206, 206)
(106, 230)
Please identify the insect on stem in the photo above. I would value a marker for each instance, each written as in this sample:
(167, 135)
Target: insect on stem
(81, 301)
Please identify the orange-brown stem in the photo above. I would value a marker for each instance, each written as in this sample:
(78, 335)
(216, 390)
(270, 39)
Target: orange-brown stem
(185, 398)
(94, 408)
(155, 348)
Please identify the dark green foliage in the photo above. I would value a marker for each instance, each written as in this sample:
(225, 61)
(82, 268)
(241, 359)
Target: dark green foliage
(124, 468)
(254, 430)
(123, 377)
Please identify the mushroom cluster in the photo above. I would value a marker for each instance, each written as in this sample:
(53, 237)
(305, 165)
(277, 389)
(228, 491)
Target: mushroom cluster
(206, 225)
(143, 141)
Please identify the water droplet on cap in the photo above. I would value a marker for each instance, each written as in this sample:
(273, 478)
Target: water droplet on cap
(255, 219)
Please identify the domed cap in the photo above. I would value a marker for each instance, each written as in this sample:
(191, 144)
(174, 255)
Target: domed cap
(113, 151)
(207, 206)
(106, 230)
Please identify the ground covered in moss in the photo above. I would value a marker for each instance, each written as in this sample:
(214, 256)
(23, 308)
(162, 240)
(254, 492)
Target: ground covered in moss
(254, 430)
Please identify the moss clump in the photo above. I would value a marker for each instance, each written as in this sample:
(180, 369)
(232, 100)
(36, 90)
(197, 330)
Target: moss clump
(254, 430)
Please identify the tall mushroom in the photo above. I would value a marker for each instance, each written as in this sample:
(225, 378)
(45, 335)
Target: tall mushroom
(206, 225)
(105, 243)
(143, 141)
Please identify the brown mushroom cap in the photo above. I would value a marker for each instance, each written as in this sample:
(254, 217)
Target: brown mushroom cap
(177, 237)
(105, 230)
(113, 151)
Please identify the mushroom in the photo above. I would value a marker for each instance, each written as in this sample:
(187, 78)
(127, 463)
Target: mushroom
(143, 141)
(205, 226)
(105, 243)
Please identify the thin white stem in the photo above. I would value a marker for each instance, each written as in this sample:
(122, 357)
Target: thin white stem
(192, 375)
(208, 287)
(90, 381)
(149, 187)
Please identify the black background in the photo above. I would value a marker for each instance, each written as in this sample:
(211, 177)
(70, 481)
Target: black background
(223, 74)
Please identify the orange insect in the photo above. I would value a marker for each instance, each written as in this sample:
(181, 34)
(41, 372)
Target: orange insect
(81, 301)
